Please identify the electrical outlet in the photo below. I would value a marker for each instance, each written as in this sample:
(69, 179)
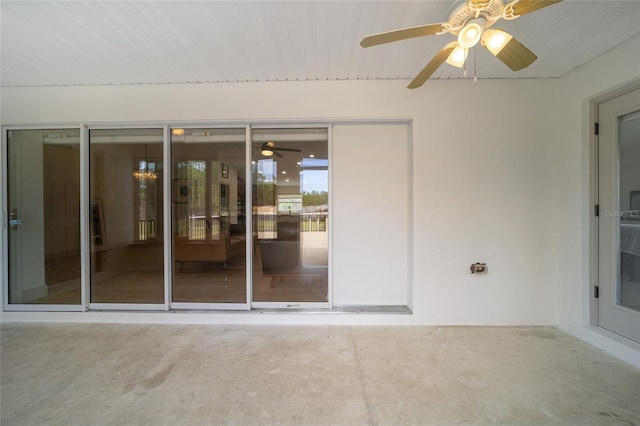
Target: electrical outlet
(479, 268)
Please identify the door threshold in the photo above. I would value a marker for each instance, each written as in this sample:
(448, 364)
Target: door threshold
(368, 309)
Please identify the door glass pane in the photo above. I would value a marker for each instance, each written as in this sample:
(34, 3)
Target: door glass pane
(629, 199)
(290, 215)
(44, 216)
(209, 215)
(126, 219)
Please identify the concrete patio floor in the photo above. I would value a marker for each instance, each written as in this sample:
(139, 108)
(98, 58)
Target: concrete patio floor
(132, 374)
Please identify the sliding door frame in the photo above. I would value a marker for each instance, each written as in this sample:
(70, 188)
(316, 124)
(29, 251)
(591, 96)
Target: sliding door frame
(300, 125)
(4, 229)
(213, 306)
(106, 306)
(85, 238)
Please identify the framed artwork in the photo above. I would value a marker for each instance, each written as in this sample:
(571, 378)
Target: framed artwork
(181, 191)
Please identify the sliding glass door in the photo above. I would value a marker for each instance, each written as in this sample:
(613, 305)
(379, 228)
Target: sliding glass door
(248, 219)
(126, 217)
(290, 178)
(208, 217)
(43, 232)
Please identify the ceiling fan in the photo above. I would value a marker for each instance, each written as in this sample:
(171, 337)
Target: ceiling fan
(471, 21)
(269, 149)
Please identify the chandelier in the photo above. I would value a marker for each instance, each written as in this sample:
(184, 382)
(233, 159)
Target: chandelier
(143, 172)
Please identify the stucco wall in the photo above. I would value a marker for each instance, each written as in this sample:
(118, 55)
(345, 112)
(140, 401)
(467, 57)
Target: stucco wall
(484, 187)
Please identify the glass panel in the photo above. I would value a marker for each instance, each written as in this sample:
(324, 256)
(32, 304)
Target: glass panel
(208, 215)
(126, 216)
(629, 145)
(290, 211)
(44, 214)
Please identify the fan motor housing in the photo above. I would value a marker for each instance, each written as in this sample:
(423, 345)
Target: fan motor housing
(462, 13)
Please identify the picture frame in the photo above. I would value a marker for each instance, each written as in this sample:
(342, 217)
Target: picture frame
(181, 191)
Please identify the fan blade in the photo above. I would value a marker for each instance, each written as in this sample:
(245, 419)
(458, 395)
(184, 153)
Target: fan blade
(522, 7)
(515, 55)
(277, 154)
(388, 37)
(431, 67)
(288, 149)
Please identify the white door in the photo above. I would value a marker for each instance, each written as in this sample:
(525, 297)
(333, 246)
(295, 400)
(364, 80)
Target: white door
(619, 220)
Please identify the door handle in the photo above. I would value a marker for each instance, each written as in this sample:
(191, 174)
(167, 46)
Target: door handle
(13, 219)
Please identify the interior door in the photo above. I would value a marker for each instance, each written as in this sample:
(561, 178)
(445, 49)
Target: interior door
(619, 220)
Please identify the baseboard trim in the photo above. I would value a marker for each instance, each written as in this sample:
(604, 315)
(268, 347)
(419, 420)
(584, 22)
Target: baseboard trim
(621, 348)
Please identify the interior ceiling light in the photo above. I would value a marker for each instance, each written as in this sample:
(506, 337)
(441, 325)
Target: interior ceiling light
(470, 35)
(468, 21)
(495, 40)
(143, 173)
(458, 56)
(177, 132)
(509, 50)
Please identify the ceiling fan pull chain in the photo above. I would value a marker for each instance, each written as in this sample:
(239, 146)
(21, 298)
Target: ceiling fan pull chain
(475, 64)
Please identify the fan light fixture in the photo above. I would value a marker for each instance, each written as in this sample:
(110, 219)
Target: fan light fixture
(144, 173)
(458, 57)
(470, 35)
(267, 149)
(495, 40)
(472, 22)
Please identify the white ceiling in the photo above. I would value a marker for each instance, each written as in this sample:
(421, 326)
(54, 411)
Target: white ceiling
(143, 42)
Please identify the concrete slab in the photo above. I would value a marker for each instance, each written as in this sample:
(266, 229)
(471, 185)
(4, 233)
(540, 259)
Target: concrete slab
(113, 374)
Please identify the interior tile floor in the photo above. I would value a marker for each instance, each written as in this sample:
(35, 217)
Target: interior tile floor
(132, 374)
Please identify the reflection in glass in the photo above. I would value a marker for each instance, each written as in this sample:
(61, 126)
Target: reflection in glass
(290, 215)
(629, 199)
(44, 216)
(126, 219)
(208, 215)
